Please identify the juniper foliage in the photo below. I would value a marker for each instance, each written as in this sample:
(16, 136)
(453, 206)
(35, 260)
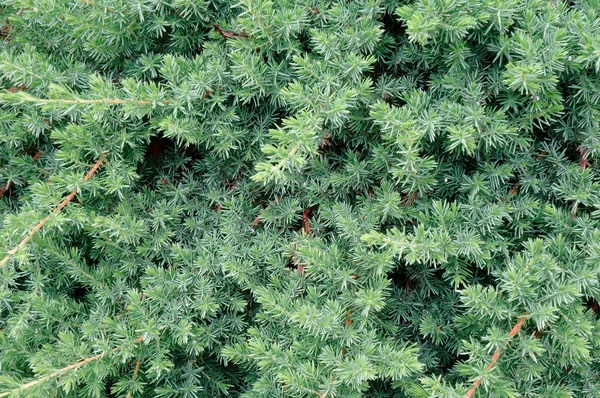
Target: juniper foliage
(300, 198)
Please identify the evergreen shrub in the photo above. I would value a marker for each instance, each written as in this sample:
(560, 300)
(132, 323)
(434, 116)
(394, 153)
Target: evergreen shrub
(299, 198)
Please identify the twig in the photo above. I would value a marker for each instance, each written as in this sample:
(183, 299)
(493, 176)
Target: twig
(93, 101)
(6, 187)
(56, 210)
(289, 156)
(496, 355)
(306, 221)
(227, 35)
(64, 370)
(262, 213)
(135, 373)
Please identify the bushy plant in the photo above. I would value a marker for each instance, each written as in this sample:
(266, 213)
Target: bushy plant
(299, 198)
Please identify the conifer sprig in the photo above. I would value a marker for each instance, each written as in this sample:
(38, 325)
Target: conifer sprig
(56, 210)
(67, 369)
(138, 362)
(515, 330)
(21, 97)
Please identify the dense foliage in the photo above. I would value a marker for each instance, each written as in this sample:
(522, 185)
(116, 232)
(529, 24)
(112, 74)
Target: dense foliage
(300, 198)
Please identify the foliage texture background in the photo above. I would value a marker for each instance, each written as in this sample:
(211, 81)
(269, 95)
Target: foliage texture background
(300, 198)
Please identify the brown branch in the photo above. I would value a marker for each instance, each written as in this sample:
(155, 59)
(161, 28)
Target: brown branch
(262, 213)
(64, 370)
(306, 221)
(227, 35)
(56, 210)
(135, 373)
(89, 101)
(496, 355)
(102, 101)
(6, 187)
(583, 157)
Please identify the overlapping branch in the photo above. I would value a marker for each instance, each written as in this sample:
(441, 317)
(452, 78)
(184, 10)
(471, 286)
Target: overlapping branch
(65, 370)
(496, 355)
(56, 210)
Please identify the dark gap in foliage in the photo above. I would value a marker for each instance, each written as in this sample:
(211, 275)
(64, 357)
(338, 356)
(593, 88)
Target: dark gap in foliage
(401, 278)
(165, 37)
(78, 291)
(304, 40)
(392, 25)
(7, 190)
(108, 385)
(20, 281)
(153, 158)
(592, 304)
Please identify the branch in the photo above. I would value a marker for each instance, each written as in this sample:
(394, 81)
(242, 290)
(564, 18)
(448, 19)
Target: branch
(283, 161)
(135, 373)
(85, 102)
(21, 97)
(5, 188)
(64, 370)
(496, 355)
(56, 210)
